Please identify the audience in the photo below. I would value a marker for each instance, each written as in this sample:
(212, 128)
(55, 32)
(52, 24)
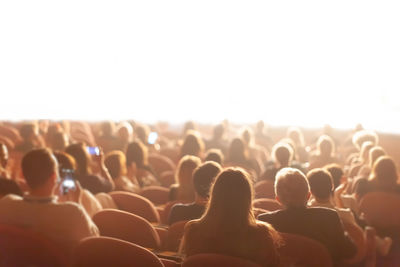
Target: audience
(116, 164)
(62, 220)
(217, 202)
(183, 189)
(321, 224)
(137, 164)
(229, 227)
(94, 183)
(203, 178)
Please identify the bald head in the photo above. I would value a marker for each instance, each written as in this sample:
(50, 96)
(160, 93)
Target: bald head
(291, 187)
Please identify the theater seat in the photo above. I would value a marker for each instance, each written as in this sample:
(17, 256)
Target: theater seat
(158, 195)
(299, 250)
(21, 247)
(106, 201)
(126, 226)
(161, 163)
(136, 204)
(216, 260)
(382, 211)
(267, 204)
(107, 251)
(174, 236)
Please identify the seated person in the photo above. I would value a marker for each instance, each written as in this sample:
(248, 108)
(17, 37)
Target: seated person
(325, 153)
(321, 224)
(215, 155)
(321, 186)
(94, 183)
(30, 138)
(7, 186)
(66, 223)
(203, 178)
(116, 164)
(229, 227)
(282, 155)
(383, 178)
(183, 189)
(88, 200)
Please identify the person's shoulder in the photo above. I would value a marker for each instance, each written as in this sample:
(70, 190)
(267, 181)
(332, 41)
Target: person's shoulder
(321, 210)
(268, 215)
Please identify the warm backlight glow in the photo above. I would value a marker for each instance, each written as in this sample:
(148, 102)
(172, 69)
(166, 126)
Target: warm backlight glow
(287, 62)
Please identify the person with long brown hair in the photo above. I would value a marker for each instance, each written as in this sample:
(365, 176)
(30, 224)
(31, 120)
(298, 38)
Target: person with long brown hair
(229, 227)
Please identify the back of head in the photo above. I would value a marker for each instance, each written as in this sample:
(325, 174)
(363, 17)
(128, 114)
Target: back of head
(363, 136)
(291, 187)
(142, 131)
(375, 153)
(237, 151)
(79, 153)
(296, 135)
(185, 168)
(230, 205)
(59, 141)
(125, 131)
(282, 153)
(137, 153)
(364, 152)
(215, 155)
(336, 172)
(325, 145)
(247, 135)
(65, 161)
(28, 130)
(38, 166)
(192, 145)
(107, 128)
(384, 171)
(218, 131)
(204, 176)
(115, 163)
(321, 184)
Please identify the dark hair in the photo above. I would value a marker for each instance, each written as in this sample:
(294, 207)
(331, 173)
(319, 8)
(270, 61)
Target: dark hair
(136, 152)
(336, 172)
(237, 151)
(38, 165)
(321, 184)
(215, 155)
(79, 153)
(192, 145)
(282, 153)
(204, 176)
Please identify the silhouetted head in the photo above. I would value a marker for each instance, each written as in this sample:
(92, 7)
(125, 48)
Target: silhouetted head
(282, 154)
(204, 176)
(65, 161)
(28, 131)
(363, 136)
(137, 153)
(291, 187)
(336, 172)
(185, 168)
(79, 152)
(231, 199)
(374, 154)
(384, 171)
(218, 132)
(192, 145)
(116, 163)
(326, 146)
(38, 167)
(215, 155)
(237, 151)
(321, 183)
(107, 128)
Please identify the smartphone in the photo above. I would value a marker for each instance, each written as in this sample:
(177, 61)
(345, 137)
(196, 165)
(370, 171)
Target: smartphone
(68, 181)
(93, 150)
(152, 138)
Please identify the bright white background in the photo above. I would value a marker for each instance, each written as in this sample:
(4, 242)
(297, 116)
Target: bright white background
(287, 62)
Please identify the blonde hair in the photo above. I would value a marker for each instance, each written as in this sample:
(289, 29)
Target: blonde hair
(184, 176)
